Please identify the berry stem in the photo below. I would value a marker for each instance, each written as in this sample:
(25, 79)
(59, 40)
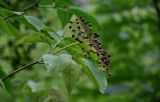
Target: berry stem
(66, 47)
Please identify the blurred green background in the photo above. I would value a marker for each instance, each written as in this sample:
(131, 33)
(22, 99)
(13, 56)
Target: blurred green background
(129, 30)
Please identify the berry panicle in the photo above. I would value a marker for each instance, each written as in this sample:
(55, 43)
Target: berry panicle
(84, 33)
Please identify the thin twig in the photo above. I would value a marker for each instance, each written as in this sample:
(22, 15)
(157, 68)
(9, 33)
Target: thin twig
(19, 69)
(66, 47)
(24, 10)
(55, 45)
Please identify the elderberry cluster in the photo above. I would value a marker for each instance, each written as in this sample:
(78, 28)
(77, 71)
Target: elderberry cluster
(83, 33)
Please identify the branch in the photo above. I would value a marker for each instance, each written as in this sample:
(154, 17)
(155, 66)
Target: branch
(155, 2)
(19, 69)
(23, 10)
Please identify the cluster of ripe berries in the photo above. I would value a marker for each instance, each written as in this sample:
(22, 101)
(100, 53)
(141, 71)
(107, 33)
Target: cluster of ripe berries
(83, 33)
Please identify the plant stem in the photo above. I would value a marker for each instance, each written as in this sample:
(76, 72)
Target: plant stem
(24, 10)
(19, 69)
(66, 47)
(55, 45)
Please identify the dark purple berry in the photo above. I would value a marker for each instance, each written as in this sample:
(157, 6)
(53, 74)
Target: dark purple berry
(77, 39)
(73, 36)
(73, 30)
(83, 49)
(78, 27)
(80, 41)
(109, 74)
(70, 22)
(80, 17)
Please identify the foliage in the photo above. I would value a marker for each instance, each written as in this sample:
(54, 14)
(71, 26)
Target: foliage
(39, 31)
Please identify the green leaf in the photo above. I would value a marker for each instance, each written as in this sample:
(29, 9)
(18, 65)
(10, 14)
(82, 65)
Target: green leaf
(13, 30)
(63, 3)
(36, 37)
(4, 27)
(60, 33)
(2, 74)
(55, 35)
(37, 23)
(77, 12)
(54, 61)
(45, 2)
(71, 74)
(2, 85)
(6, 85)
(97, 75)
(66, 66)
(7, 27)
(51, 61)
(64, 16)
(35, 86)
(5, 12)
